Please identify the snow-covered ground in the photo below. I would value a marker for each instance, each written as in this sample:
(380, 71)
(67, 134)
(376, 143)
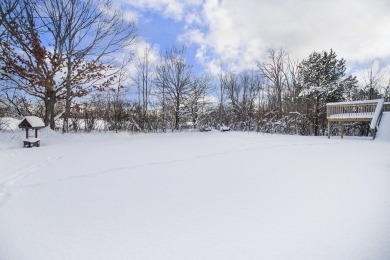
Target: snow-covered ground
(208, 195)
(384, 128)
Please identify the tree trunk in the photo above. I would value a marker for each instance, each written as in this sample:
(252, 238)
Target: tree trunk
(49, 109)
(65, 126)
(317, 116)
(280, 106)
(177, 114)
(47, 113)
(163, 109)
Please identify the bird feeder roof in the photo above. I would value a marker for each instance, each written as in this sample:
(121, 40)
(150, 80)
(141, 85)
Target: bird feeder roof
(31, 122)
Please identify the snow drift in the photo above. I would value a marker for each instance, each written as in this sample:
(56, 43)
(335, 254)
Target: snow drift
(205, 195)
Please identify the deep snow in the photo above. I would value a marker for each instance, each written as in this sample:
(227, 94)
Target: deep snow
(209, 195)
(384, 128)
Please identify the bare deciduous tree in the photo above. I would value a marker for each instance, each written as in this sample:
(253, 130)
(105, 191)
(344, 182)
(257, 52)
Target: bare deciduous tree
(174, 78)
(82, 36)
(372, 80)
(196, 101)
(143, 80)
(85, 34)
(274, 71)
(242, 90)
(26, 63)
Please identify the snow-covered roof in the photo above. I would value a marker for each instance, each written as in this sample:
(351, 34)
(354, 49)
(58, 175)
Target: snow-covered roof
(31, 122)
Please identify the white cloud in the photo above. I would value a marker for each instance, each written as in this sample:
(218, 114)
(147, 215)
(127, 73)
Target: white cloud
(239, 32)
(175, 9)
(138, 49)
(130, 15)
(135, 52)
(236, 33)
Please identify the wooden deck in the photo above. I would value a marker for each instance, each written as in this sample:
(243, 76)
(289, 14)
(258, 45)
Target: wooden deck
(356, 111)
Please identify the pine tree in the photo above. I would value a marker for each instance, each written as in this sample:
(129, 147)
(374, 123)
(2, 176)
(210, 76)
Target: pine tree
(323, 80)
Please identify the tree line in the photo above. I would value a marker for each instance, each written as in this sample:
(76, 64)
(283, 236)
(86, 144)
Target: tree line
(67, 61)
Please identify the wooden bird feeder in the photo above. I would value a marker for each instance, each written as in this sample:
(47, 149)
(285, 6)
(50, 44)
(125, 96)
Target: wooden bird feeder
(33, 123)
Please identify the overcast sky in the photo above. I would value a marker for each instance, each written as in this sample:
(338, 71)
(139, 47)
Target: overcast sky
(237, 33)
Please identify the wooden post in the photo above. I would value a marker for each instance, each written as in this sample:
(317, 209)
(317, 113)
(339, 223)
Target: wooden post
(342, 129)
(26, 133)
(36, 133)
(328, 129)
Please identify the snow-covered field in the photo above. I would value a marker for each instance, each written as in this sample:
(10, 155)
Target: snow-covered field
(208, 195)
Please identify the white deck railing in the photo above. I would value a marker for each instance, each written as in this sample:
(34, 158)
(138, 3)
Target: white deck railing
(352, 110)
(366, 110)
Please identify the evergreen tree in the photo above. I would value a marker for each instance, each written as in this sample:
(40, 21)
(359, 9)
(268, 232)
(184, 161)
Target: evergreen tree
(323, 80)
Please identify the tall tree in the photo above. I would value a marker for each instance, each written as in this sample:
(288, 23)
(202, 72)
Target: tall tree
(197, 104)
(25, 62)
(174, 78)
(143, 80)
(242, 91)
(372, 81)
(221, 97)
(161, 84)
(64, 49)
(274, 71)
(323, 79)
(291, 101)
(85, 34)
